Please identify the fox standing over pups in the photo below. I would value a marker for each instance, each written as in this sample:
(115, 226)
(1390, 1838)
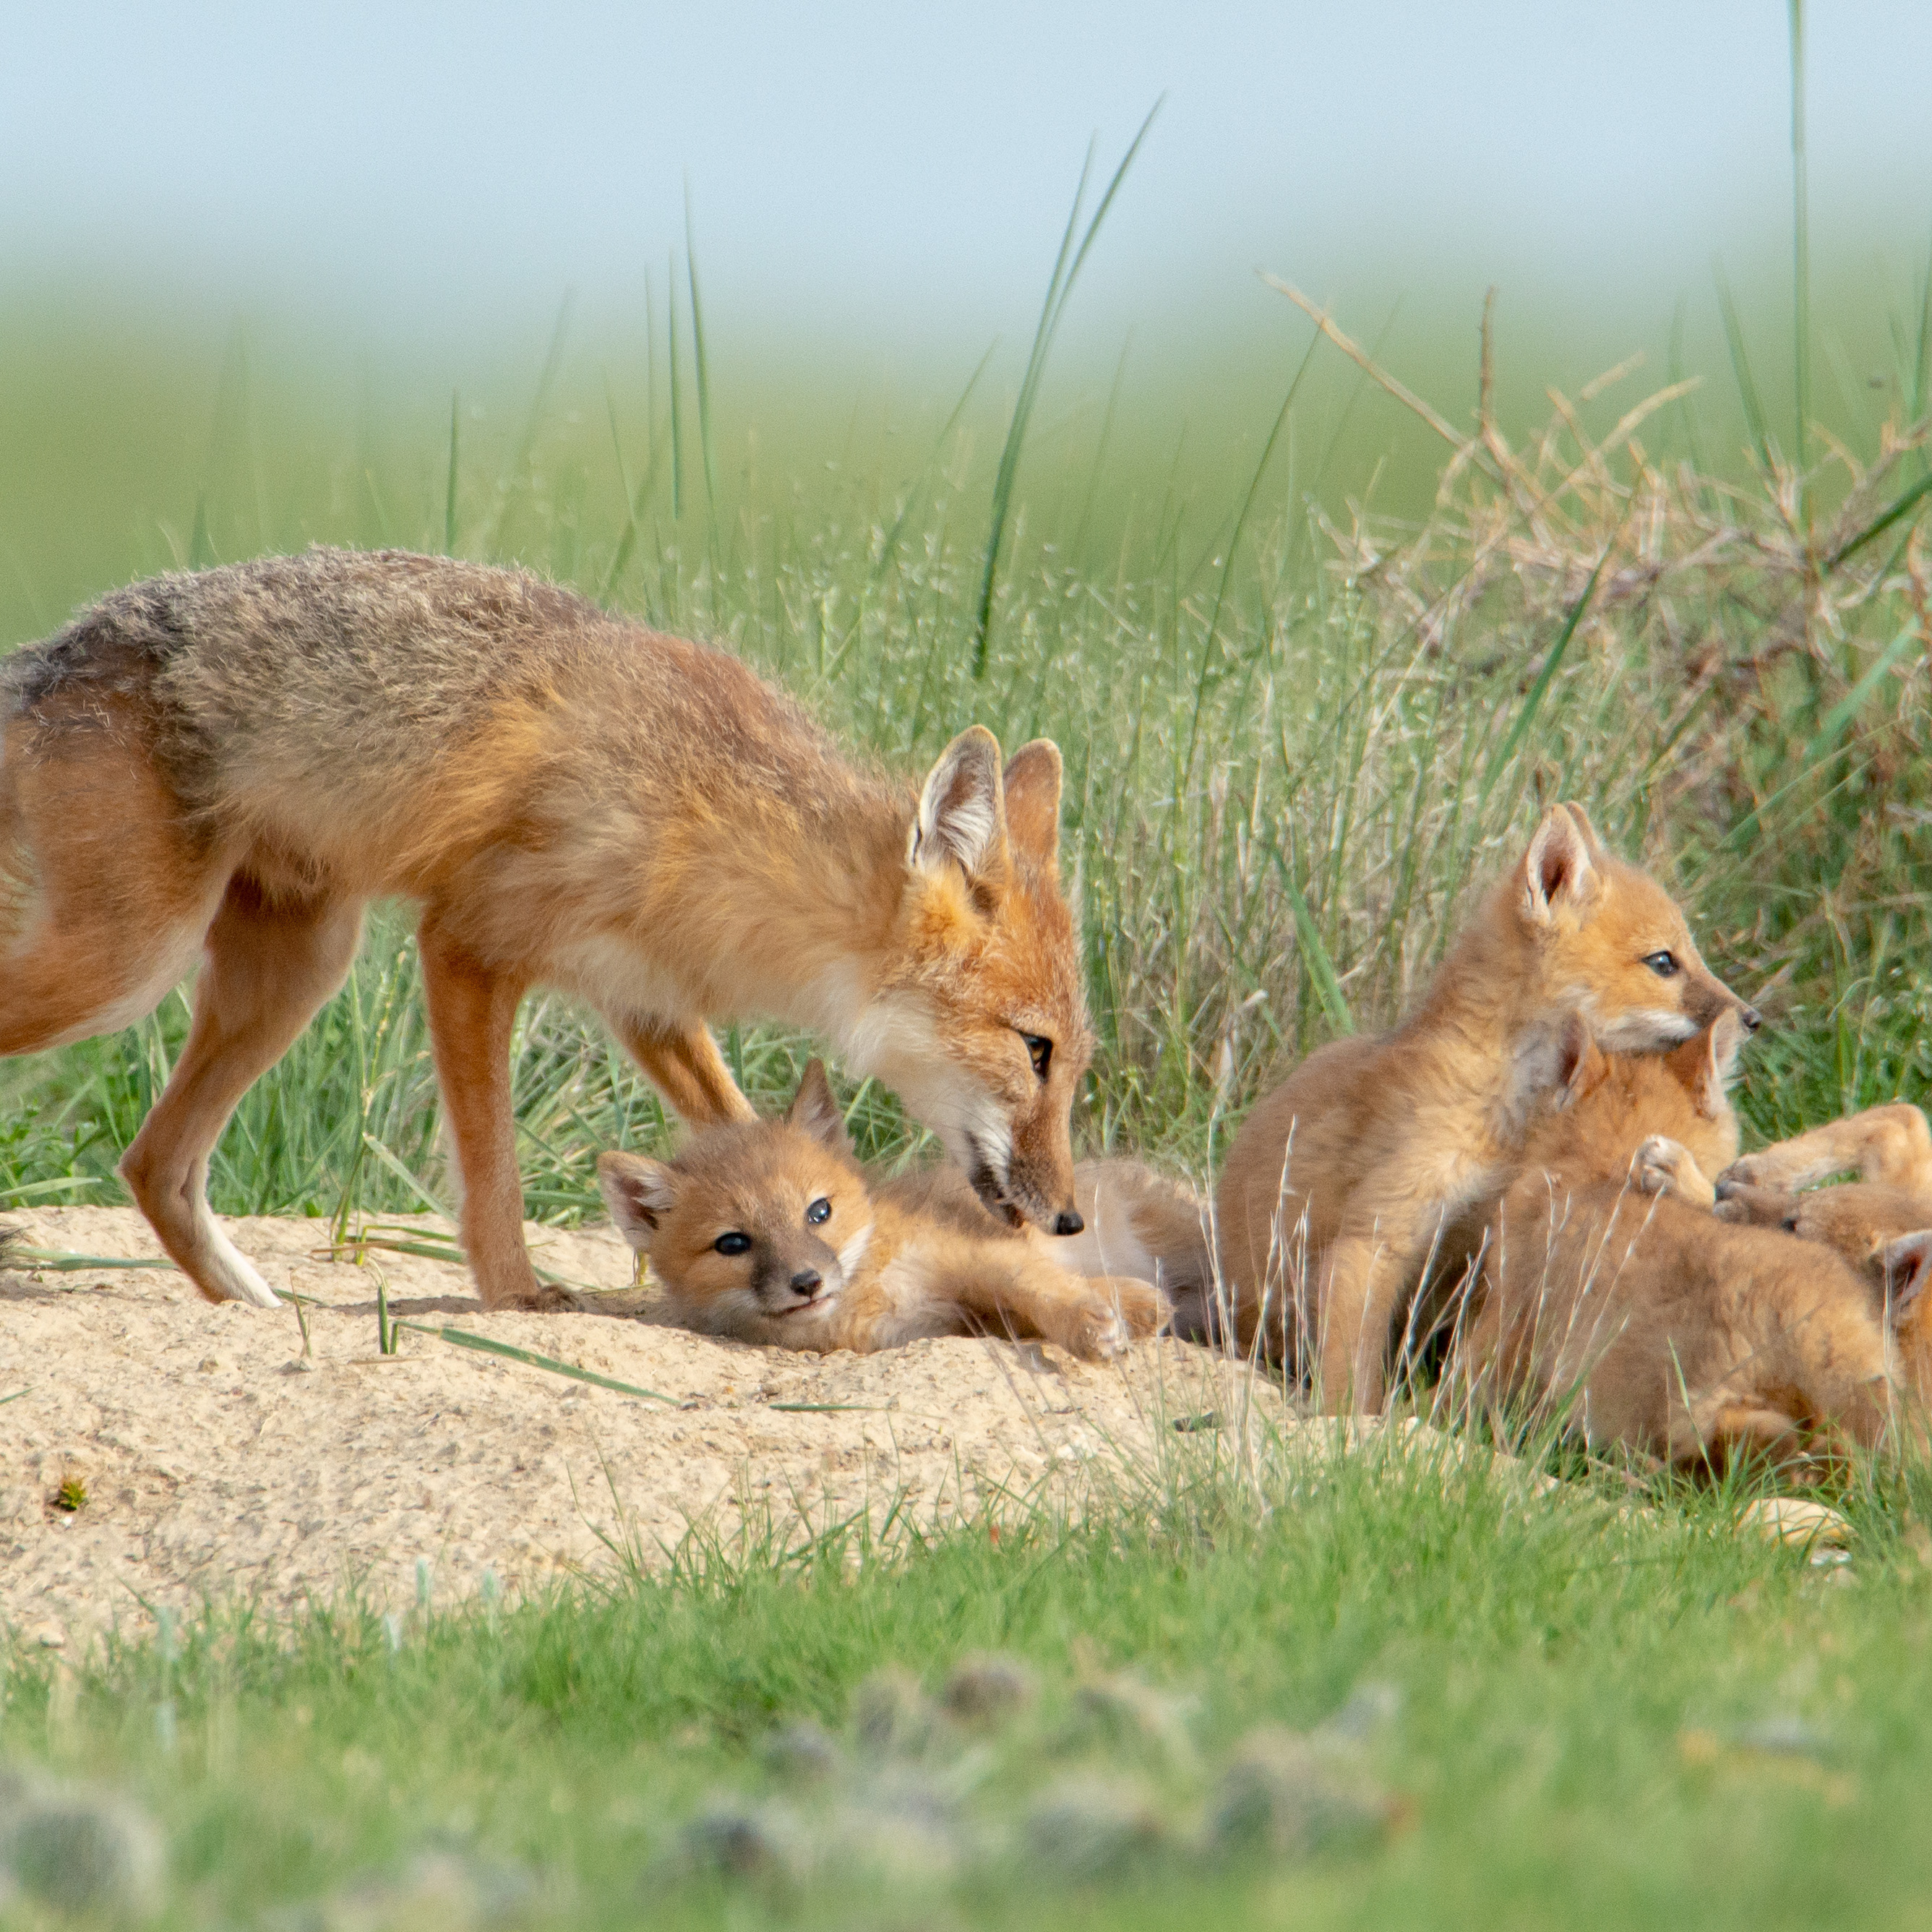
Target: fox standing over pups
(228, 766)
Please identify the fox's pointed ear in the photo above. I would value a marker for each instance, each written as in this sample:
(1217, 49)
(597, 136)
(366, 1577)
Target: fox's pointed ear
(815, 1110)
(1559, 874)
(1581, 1065)
(1032, 787)
(1702, 1065)
(1908, 1267)
(962, 820)
(1598, 852)
(638, 1193)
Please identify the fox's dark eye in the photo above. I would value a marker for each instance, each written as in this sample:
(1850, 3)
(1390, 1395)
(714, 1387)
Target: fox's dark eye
(820, 1211)
(1039, 1050)
(1663, 964)
(733, 1244)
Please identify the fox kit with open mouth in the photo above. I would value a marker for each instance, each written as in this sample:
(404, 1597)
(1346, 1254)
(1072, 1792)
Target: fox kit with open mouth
(767, 1230)
(1342, 1180)
(226, 767)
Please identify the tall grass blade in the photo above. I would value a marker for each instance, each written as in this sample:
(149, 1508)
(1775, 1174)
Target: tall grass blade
(1800, 244)
(676, 418)
(1902, 504)
(1314, 954)
(700, 367)
(1849, 706)
(1551, 664)
(1060, 286)
(526, 447)
(1734, 336)
(449, 493)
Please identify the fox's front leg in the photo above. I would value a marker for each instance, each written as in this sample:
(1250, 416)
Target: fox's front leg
(1364, 1280)
(1093, 1317)
(1662, 1166)
(472, 1007)
(1891, 1144)
(682, 1061)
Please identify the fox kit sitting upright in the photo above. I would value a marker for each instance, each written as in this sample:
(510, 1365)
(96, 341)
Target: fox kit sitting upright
(767, 1230)
(1671, 1332)
(1343, 1180)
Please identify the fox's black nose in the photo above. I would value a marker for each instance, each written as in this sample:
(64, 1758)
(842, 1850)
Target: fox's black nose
(1752, 1018)
(806, 1281)
(1068, 1221)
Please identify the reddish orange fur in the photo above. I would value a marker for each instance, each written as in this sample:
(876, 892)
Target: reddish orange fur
(1650, 1323)
(1376, 1151)
(230, 765)
(828, 1262)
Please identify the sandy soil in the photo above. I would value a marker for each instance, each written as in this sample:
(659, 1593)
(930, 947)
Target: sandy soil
(217, 1462)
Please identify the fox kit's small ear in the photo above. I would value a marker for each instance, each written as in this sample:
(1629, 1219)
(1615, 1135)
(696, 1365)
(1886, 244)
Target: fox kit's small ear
(1580, 1063)
(962, 819)
(1908, 1264)
(815, 1111)
(1557, 871)
(1703, 1064)
(639, 1194)
(1032, 787)
(1597, 849)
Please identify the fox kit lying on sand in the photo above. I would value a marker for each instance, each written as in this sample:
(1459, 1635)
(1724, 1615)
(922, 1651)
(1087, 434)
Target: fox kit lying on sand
(1674, 1332)
(228, 766)
(766, 1230)
(1373, 1148)
(1881, 1222)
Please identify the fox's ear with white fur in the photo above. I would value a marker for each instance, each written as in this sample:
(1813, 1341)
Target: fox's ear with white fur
(1580, 1063)
(1702, 1065)
(962, 819)
(1032, 787)
(1908, 1267)
(1557, 871)
(639, 1194)
(815, 1111)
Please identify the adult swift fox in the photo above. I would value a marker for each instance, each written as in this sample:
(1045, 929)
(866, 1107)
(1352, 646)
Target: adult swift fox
(1671, 1332)
(230, 765)
(1341, 1181)
(768, 1230)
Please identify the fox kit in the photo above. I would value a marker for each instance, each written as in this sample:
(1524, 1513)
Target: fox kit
(228, 766)
(1342, 1181)
(1673, 1333)
(766, 1230)
(1881, 1223)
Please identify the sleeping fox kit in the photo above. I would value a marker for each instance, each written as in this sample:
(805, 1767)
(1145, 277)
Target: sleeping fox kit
(1608, 1294)
(1341, 1182)
(767, 1230)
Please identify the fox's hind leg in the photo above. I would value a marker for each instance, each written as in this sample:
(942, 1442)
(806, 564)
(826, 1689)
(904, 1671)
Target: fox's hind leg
(269, 966)
(105, 889)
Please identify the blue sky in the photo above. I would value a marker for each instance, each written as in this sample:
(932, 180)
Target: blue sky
(900, 172)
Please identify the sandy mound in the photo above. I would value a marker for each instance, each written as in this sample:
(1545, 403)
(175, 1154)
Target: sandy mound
(215, 1464)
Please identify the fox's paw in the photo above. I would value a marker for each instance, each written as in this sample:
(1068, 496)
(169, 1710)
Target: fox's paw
(1111, 1317)
(1751, 1170)
(1662, 1166)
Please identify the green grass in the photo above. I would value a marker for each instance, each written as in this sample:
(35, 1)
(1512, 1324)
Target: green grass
(1585, 1699)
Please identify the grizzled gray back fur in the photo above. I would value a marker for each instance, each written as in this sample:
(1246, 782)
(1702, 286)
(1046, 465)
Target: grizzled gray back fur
(332, 672)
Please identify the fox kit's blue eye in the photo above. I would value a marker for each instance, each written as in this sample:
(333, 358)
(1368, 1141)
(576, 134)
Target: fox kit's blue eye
(820, 1210)
(733, 1244)
(1040, 1052)
(1663, 964)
